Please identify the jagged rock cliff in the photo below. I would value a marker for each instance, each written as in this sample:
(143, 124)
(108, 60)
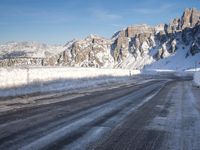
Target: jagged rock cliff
(133, 47)
(93, 51)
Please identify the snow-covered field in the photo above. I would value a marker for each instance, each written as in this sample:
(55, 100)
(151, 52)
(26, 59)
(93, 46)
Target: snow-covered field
(17, 81)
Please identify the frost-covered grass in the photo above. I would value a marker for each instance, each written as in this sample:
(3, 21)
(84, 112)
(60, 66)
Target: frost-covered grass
(18, 81)
(196, 78)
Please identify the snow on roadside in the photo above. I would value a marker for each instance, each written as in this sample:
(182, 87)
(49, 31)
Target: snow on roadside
(177, 73)
(20, 81)
(196, 79)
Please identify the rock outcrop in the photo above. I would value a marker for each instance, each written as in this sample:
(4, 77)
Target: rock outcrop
(93, 51)
(190, 18)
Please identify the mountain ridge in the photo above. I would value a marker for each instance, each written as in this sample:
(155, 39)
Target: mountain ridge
(134, 47)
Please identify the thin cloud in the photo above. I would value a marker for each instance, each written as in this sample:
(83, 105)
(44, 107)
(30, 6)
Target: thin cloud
(161, 9)
(116, 25)
(48, 17)
(105, 15)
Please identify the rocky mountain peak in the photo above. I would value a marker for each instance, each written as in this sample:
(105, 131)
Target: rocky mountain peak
(138, 29)
(190, 17)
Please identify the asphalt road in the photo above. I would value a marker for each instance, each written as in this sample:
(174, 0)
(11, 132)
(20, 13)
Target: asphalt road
(154, 115)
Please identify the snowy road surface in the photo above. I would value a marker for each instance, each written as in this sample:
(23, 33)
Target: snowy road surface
(157, 114)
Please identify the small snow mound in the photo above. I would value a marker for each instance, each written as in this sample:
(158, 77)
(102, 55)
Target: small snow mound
(196, 79)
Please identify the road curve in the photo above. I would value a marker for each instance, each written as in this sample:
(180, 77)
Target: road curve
(158, 114)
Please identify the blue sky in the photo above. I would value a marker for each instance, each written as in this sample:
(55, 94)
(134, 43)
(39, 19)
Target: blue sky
(57, 21)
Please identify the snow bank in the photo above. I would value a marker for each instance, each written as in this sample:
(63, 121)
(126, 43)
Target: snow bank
(196, 79)
(177, 73)
(17, 81)
(157, 71)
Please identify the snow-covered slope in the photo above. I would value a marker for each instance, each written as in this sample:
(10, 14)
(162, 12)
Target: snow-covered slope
(177, 61)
